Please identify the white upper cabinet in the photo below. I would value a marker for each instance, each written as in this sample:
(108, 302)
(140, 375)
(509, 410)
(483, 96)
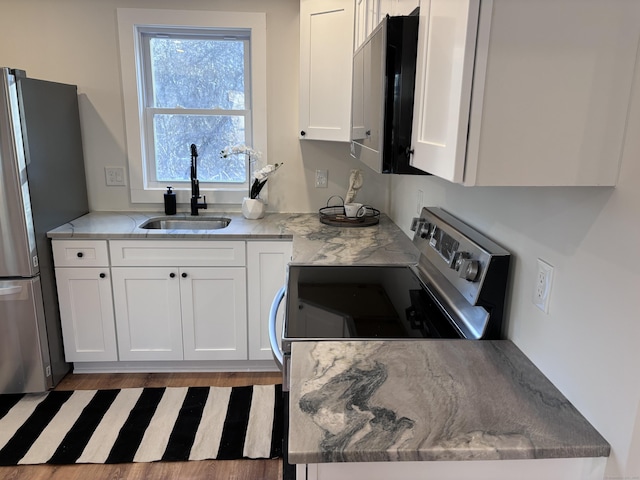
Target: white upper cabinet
(326, 50)
(521, 92)
(444, 74)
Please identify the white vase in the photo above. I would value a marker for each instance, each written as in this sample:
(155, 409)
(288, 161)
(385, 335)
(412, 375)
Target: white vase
(252, 208)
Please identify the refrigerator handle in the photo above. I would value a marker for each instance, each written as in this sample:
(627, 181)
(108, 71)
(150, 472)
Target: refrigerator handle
(10, 290)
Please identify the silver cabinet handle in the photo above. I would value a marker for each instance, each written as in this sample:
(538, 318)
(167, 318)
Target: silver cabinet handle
(273, 338)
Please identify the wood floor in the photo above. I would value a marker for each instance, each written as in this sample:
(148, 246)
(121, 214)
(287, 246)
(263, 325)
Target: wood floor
(206, 469)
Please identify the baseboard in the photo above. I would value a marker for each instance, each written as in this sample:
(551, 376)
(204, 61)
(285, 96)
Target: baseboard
(177, 366)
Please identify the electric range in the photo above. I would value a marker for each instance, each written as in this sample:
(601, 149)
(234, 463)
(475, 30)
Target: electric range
(456, 291)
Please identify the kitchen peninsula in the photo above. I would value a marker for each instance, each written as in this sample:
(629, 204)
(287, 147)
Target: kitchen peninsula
(460, 405)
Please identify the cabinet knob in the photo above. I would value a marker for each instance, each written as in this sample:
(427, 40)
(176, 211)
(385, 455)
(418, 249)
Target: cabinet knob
(184, 275)
(303, 133)
(172, 275)
(103, 275)
(80, 254)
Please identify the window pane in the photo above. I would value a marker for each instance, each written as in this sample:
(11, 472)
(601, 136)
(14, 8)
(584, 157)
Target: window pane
(174, 134)
(196, 73)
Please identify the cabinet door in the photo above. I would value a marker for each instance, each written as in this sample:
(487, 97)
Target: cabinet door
(86, 311)
(360, 85)
(214, 313)
(544, 111)
(267, 266)
(148, 317)
(367, 120)
(446, 52)
(326, 49)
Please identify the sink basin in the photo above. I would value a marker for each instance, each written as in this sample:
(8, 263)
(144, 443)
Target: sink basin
(192, 223)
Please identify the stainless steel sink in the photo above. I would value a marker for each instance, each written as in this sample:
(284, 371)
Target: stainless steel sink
(192, 223)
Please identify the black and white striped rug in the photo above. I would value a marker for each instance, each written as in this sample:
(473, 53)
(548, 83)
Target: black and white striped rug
(141, 425)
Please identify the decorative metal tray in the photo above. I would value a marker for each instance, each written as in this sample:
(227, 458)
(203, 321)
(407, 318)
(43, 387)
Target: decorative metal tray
(335, 215)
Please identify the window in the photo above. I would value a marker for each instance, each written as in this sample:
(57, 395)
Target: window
(191, 77)
(195, 92)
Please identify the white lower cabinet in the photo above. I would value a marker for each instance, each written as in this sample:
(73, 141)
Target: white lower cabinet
(586, 468)
(148, 316)
(214, 313)
(86, 310)
(168, 300)
(191, 313)
(84, 296)
(267, 270)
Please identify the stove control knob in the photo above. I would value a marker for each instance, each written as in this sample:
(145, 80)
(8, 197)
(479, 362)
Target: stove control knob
(416, 223)
(469, 269)
(425, 230)
(458, 258)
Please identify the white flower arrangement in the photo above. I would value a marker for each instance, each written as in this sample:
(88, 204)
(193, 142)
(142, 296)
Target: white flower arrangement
(238, 149)
(260, 176)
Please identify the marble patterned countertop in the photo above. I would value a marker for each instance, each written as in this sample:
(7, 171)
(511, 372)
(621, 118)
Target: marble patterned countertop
(429, 400)
(313, 241)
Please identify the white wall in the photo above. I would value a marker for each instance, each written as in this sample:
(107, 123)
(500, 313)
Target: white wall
(75, 41)
(589, 343)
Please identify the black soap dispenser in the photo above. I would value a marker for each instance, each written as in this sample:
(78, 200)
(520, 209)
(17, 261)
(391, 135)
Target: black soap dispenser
(170, 202)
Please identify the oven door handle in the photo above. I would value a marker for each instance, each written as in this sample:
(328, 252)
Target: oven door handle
(273, 337)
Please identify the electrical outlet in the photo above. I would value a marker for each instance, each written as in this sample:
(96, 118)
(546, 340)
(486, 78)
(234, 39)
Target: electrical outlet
(114, 176)
(322, 178)
(542, 292)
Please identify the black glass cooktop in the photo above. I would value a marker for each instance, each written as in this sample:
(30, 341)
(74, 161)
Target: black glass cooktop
(363, 302)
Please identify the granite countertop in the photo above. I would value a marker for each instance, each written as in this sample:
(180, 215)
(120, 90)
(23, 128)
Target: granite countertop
(429, 400)
(313, 241)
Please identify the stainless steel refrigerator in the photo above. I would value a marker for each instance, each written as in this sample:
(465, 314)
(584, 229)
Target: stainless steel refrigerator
(42, 186)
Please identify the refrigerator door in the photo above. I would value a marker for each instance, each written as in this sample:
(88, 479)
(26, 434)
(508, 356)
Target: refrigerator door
(24, 353)
(52, 137)
(18, 257)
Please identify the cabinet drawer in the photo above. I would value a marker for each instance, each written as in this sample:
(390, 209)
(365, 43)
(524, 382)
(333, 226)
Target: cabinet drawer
(79, 253)
(171, 253)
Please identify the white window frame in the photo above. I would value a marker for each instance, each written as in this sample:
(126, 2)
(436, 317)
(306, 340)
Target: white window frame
(131, 22)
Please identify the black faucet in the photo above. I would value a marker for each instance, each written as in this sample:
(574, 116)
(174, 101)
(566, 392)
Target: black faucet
(195, 184)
